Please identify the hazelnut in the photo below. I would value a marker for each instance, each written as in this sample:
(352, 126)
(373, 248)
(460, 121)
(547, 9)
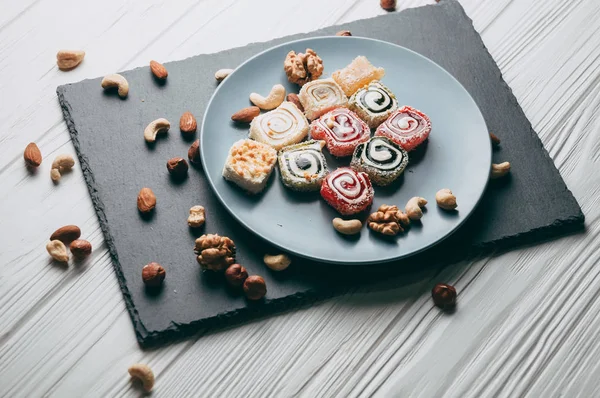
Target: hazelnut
(388, 5)
(255, 287)
(146, 201)
(495, 140)
(194, 152)
(80, 248)
(236, 275)
(444, 295)
(153, 274)
(177, 167)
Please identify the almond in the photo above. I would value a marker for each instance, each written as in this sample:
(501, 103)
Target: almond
(187, 123)
(80, 248)
(66, 234)
(293, 98)
(32, 155)
(194, 152)
(158, 70)
(146, 201)
(246, 115)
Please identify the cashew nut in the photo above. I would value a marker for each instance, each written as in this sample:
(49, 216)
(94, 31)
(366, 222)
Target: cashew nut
(158, 126)
(61, 164)
(499, 170)
(58, 251)
(445, 199)
(197, 217)
(271, 101)
(144, 374)
(347, 227)
(413, 208)
(69, 59)
(278, 262)
(116, 80)
(221, 74)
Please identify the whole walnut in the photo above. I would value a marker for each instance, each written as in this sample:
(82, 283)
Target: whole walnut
(215, 252)
(388, 220)
(302, 68)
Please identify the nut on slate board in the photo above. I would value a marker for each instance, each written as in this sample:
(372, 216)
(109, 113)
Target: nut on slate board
(194, 152)
(156, 127)
(444, 295)
(344, 33)
(80, 248)
(116, 81)
(153, 274)
(178, 167)
(158, 70)
(255, 287)
(197, 217)
(277, 262)
(32, 155)
(66, 234)
(187, 123)
(146, 201)
(215, 253)
(235, 275)
(499, 170)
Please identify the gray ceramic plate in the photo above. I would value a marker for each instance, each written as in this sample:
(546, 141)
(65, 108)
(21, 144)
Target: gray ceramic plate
(457, 155)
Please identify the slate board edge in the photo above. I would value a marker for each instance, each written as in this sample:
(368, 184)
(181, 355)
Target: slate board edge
(146, 338)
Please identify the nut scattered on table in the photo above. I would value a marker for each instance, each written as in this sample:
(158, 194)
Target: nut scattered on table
(388, 220)
(444, 295)
(344, 33)
(235, 275)
(146, 200)
(246, 115)
(66, 234)
(118, 81)
(178, 167)
(187, 123)
(69, 59)
(445, 199)
(61, 164)
(80, 248)
(293, 98)
(302, 68)
(221, 74)
(255, 287)
(414, 207)
(158, 70)
(272, 100)
(347, 227)
(495, 140)
(58, 251)
(32, 155)
(144, 374)
(499, 170)
(388, 5)
(153, 274)
(214, 252)
(277, 262)
(194, 152)
(156, 127)
(197, 217)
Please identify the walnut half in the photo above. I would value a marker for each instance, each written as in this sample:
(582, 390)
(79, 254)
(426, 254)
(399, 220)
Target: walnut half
(215, 252)
(388, 220)
(302, 68)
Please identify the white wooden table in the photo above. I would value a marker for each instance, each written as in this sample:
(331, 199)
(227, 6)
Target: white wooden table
(527, 323)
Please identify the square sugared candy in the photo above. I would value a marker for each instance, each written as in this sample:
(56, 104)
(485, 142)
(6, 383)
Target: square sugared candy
(381, 159)
(357, 74)
(342, 129)
(373, 103)
(320, 96)
(283, 126)
(407, 127)
(249, 165)
(302, 166)
(347, 190)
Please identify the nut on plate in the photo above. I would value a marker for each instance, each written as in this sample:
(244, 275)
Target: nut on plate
(158, 70)
(235, 275)
(80, 248)
(214, 252)
(499, 170)
(146, 200)
(66, 234)
(388, 5)
(177, 167)
(347, 227)
(187, 123)
(302, 68)
(445, 199)
(414, 208)
(60, 165)
(194, 152)
(153, 274)
(156, 127)
(32, 155)
(197, 217)
(293, 98)
(144, 374)
(116, 81)
(272, 100)
(444, 295)
(255, 287)
(388, 220)
(58, 251)
(344, 33)
(69, 59)
(277, 262)
(246, 115)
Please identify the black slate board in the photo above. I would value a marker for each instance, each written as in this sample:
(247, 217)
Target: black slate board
(107, 134)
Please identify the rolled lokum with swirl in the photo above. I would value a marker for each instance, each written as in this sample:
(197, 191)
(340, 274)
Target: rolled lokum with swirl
(381, 159)
(342, 129)
(407, 127)
(373, 103)
(302, 166)
(347, 190)
(283, 126)
(320, 96)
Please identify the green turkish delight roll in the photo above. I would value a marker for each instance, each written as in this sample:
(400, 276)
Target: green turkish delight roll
(381, 159)
(373, 103)
(302, 166)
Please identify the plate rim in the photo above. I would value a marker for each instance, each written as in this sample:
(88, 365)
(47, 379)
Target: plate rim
(316, 258)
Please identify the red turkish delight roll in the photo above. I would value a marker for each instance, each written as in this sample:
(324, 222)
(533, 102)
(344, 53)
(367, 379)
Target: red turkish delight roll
(348, 191)
(407, 127)
(342, 130)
